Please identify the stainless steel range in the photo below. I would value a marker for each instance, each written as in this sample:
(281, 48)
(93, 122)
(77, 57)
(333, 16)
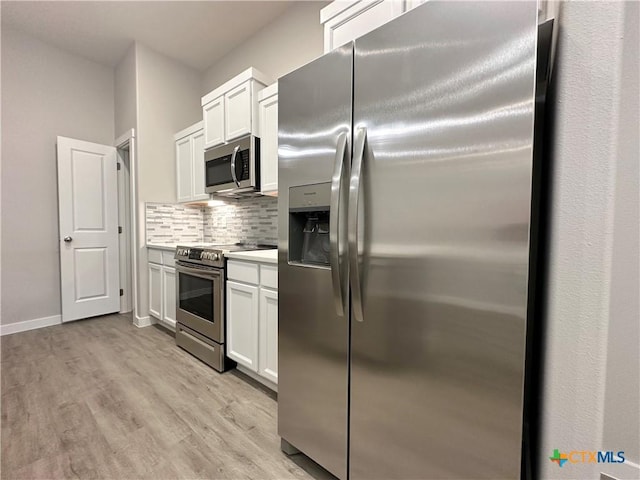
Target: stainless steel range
(200, 310)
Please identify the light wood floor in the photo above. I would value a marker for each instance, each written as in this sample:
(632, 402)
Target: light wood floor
(101, 398)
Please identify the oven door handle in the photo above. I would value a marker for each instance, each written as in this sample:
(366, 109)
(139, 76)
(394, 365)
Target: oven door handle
(208, 274)
(233, 165)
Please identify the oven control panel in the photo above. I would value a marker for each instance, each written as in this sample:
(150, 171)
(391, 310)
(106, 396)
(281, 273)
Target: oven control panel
(200, 256)
(210, 256)
(195, 254)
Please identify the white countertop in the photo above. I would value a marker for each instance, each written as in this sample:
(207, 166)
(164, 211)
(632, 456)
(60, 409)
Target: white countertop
(172, 246)
(162, 246)
(265, 256)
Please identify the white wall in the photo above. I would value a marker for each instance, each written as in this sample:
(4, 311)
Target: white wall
(290, 41)
(622, 395)
(591, 395)
(168, 99)
(126, 94)
(46, 92)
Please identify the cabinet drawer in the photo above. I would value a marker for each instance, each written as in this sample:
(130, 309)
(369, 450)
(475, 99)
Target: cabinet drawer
(269, 276)
(243, 271)
(167, 258)
(154, 256)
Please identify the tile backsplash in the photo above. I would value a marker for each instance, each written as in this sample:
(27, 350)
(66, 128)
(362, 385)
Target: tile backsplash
(250, 220)
(173, 223)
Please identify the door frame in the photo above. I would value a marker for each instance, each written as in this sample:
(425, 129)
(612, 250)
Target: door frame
(125, 146)
(124, 225)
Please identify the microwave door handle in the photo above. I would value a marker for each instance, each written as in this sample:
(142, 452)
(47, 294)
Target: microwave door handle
(334, 225)
(233, 165)
(354, 195)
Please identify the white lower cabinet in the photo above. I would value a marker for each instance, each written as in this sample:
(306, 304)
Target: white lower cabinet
(155, 290)
(162, 287)
(242, 324)
(169, 295)
(252, 319)
(268, 334)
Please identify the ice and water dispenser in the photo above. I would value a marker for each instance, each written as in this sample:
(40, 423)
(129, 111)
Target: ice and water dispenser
(309, 224)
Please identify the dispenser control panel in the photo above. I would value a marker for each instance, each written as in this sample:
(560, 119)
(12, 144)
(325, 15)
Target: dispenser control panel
(310, 197)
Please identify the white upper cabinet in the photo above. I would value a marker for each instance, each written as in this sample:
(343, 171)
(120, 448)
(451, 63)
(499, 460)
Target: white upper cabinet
(184, 169)
(346, 20)
(190, 164)
(237, 112)
(231, 110)
(197, 144)
(213, 117)
(268, 116)
(409, 4)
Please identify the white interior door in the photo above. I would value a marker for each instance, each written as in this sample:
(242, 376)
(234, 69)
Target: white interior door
(88, 216)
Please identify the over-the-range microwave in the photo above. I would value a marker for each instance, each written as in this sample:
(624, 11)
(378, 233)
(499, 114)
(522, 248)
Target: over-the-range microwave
(233, 168)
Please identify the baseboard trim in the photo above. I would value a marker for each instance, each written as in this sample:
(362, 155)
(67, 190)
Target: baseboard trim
(168, 324)
(258, 378)
(142, 322)
(26, 325)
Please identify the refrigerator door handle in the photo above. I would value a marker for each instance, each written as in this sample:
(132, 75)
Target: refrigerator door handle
(354, 195)
(334, 224)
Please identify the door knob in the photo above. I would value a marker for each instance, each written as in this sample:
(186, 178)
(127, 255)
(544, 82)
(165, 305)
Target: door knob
(67, 239)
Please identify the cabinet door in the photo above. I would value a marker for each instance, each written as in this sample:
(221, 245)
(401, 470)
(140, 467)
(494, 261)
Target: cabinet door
(237, 110)
(242, 324)
(155, 290)
(169, 295)
(268, 109)
(268, 334)
(184, 169)
(197, 150)
(213, 116)
(410, 4)
(359, 19)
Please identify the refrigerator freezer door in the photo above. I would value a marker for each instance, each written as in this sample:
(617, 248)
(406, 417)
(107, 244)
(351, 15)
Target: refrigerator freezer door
(446, 94)
(314, 118)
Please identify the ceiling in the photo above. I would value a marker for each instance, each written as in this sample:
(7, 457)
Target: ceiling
(195, 33)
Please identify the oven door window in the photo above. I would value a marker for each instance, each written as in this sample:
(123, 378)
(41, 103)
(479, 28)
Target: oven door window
(196, 296)
(219, 171)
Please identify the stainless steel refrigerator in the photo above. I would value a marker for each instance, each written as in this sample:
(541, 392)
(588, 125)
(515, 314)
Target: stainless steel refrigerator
(406, 182)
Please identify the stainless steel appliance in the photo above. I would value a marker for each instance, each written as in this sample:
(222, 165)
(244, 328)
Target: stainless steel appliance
(410, 152)
(233, 169)
(200, 293)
